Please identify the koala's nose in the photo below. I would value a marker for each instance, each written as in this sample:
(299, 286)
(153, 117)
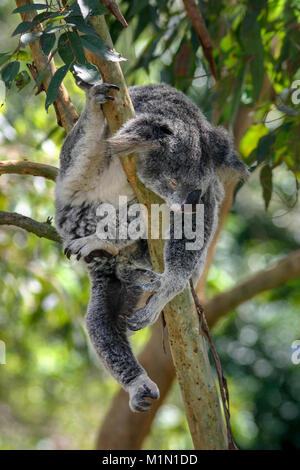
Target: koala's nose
(193, 197)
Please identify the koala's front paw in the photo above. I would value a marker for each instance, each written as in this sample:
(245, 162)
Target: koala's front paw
(98, 92)
(140, 392)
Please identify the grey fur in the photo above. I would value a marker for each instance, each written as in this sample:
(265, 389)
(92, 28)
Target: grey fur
(176, 146)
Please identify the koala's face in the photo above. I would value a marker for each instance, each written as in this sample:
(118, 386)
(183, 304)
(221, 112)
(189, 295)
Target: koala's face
(176, 172)
(178, 159)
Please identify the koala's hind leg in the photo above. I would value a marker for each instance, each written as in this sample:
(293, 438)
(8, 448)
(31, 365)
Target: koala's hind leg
(107, 331)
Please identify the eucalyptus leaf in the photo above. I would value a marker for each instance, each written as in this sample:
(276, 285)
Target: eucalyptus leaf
(90, 7)
(82, 26)
(9, 73)
(22, 55)
(27, 38)
(4, 57)
(47, 42)
(88, 73)
(23, 27)
(54, 85)
(267, 184)
(32, 7)
(98, 47)
(22, 79)
(64, 49)
(77, 47)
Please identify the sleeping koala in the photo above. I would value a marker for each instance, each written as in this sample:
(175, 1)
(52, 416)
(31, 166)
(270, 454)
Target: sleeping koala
(183, 159)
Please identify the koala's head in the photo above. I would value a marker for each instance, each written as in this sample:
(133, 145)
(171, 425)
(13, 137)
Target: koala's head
(178, 161)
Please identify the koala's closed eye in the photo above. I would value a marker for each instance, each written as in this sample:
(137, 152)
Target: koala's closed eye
(172, 183)
(161, 130)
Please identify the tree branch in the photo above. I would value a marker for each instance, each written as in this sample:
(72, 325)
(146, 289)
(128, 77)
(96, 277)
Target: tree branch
(42, 230)
(286, 269)
(65, 112)
(23, 167)
(202, 33)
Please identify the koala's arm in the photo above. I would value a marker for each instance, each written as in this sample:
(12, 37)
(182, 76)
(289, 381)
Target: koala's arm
(83, 152)
(82, 160)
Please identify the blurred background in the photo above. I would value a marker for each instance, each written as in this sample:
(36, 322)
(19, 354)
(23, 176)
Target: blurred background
(54, 393)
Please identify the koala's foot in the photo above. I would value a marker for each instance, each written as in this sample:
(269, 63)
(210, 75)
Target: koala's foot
(84, 246)
(149, 281)
(141, 278)
(98, 92)
(140, 392)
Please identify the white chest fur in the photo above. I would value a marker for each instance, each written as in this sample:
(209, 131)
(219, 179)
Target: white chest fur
(113, 183)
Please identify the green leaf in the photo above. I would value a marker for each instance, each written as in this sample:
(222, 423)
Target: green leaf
(237, 93)
(32, 7)
(83, 26)
(47, 42)
(54, 85)
(23, 56)
(98, 47)
(54, 29)
(266, 184)
(77, 47)
(40, 77)
(64, 49)
(9, 73)
(264, 147)
(4, 57)
(22, 79)
(253, 46)
(88, 73)
(90, 7)
(30, 37)
(23, 27)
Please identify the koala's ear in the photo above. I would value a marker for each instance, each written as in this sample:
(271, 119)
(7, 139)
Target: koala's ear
(227, 163)
(139, 134)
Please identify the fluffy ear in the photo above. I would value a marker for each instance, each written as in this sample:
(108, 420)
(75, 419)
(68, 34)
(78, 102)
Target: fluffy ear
(227, 163)
(138, 134)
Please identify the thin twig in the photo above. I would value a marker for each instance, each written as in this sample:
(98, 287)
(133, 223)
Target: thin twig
(222, 380)
(65, 111)
(24, 167)
(202, 33)
(42, 230)
(114, 9)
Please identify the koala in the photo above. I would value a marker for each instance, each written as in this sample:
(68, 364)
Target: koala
(182, 158)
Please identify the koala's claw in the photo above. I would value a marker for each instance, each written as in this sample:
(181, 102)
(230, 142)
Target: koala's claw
(140, 392)
(68, 252)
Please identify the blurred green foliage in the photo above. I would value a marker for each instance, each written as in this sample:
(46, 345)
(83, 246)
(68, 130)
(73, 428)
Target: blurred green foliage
(53, 391)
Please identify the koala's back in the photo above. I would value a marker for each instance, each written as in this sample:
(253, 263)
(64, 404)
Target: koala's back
(163, 100)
